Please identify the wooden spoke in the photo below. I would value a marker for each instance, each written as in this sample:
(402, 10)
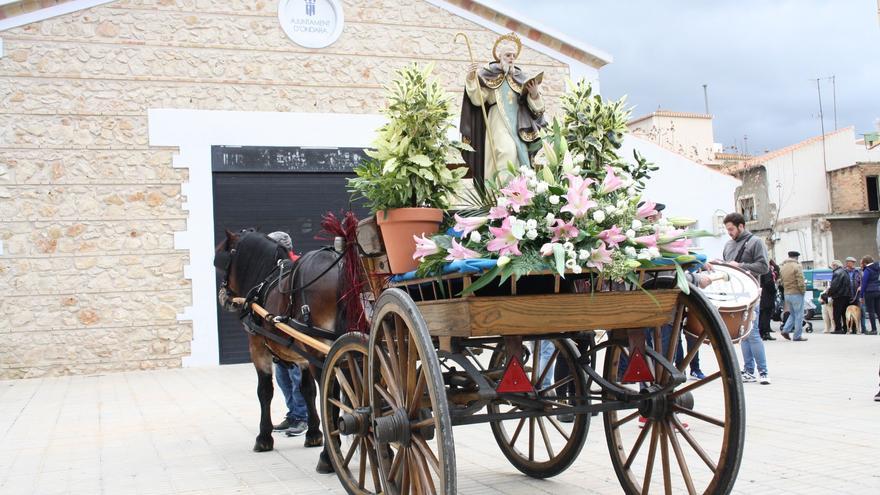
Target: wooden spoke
(343, 382)
(546, 438)
(427, 453)
(406, 478)
(403, 342)
(693, 352)
(700, 416)
(652, 451)
(694, 445)
(351, 452)
(415, 397)
(374, 463)
(362, 468)
(390, 400)
(548, 366)
(390, 347)
(556, 424)
(412, 355)
(697, 384)
(676, 334)
(682, 462)
(422, 468)
(638, 445)
(411, 468)
(395, 464)
(357, 376)
(626, 419)
(334, 433)
(536, 351)
(340, 405)
(554, 386)
(390, 379)
(658, 348)
(664, 456)
(531, 439)
(423, 423)
(516, 432)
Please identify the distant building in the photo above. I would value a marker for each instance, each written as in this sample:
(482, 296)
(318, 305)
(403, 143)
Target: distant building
(819, 197)
(688, 134)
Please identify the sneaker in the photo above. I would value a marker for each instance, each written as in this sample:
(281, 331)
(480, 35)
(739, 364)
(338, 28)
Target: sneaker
(786, 336)
(282, 425)
(800, 339)
(697, 375)
(877, 397)
(297, 428)
(748, 377)
(764, 379)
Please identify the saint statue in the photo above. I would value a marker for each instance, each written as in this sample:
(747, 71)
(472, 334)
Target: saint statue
(514, 107)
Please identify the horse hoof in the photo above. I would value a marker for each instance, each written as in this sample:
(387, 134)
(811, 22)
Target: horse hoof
(264, 445)
(323, 466)
(314, 440)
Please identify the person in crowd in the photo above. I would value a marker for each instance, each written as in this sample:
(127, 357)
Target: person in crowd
(855, 281)
(841, 294)
(870, 290)
(795, 287)
(768, 300)
(288, 376)
(747, 251)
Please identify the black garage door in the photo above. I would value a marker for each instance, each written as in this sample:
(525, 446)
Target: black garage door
(272, 189)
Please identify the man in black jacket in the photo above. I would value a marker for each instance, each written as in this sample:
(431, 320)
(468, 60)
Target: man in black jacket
(841, 295)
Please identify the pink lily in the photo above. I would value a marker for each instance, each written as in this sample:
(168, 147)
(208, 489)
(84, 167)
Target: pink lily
(680, 246)
(578, 196)
(459, 252)
(599, 257)
(424, 247)
(547, 249)
(647, 240)
(646, 210)
(466, 225)
(669, 235)
(504, 241)
(613, 236)
(563, 230)
(498, 213)
(517, 191)
(611, 182)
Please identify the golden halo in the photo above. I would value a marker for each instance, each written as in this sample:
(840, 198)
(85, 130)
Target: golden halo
(507, 37)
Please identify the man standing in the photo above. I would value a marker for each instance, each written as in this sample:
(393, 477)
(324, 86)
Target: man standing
(795, 286)
(841, 295)
(855, 281)
(747, 251)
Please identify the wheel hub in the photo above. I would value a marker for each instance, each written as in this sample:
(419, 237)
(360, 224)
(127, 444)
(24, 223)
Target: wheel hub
(661, 406)
(355, 423)
(393, 428)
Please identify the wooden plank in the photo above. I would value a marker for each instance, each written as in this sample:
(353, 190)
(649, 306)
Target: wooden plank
(531, 315)
(447, 318)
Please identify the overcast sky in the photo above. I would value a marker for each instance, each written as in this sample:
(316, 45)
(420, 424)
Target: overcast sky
(760, 59)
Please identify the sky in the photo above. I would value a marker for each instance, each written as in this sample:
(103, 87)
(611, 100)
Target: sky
(759, 58)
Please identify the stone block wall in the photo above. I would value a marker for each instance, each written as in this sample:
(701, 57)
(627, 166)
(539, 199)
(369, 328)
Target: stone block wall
(849, 189)
(88, 210)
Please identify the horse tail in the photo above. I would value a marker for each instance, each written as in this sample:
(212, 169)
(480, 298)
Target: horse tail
(350, 310)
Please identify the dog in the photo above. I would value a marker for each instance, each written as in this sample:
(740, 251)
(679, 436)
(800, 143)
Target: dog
(853, 318)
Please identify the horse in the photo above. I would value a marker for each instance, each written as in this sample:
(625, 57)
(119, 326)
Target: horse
(312, 289)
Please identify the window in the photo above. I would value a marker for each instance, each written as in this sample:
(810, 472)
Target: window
(873, 198)
(747, 208)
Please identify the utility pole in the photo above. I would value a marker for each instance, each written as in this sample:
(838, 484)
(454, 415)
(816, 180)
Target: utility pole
(834, 95)
(706, 94)
(822, 124)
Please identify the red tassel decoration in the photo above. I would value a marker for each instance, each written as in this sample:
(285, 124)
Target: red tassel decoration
(353, 282)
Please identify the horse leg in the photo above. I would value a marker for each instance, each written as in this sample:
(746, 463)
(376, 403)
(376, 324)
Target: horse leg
(314, 437)
(265, 390)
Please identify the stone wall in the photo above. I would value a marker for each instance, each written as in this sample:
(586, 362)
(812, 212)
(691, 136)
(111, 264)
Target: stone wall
(88, 210)
(849, 189)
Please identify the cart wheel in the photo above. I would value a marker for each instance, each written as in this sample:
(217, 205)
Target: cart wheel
(702, 421)
(545, 445)
(411, 421)
(345, 414)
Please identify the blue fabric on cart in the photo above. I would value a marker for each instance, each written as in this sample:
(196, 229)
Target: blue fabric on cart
(481, 265)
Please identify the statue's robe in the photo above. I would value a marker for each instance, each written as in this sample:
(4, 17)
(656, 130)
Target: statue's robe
(514, 118)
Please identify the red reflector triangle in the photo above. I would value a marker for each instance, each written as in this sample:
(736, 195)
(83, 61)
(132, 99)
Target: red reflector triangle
(638, 370)
(514, 379)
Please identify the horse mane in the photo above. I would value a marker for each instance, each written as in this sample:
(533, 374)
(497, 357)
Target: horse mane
(257, 257)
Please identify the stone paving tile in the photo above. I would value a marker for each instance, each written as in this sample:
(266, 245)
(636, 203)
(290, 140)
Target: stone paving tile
(189, 431)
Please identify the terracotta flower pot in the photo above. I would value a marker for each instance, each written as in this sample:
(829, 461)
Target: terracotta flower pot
(398, 227)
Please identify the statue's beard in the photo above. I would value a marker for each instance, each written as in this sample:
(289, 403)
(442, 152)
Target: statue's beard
(505, 67)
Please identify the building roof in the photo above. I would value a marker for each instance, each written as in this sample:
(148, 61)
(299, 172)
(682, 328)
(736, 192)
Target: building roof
(667, 113)
(14, 13)
(761, 159)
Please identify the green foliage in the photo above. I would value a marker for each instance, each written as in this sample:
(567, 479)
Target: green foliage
(408, 168)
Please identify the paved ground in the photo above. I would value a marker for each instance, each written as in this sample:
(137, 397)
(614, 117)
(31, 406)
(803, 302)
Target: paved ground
(188, 431)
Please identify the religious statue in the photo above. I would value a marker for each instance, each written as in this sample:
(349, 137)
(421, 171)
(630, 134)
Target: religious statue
(512, 113)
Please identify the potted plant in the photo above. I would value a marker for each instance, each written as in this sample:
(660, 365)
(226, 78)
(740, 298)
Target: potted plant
(406, 181)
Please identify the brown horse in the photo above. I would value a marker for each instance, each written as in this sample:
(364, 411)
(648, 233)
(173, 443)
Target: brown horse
(308, 290)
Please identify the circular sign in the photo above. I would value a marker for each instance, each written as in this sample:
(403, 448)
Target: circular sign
(311, 23)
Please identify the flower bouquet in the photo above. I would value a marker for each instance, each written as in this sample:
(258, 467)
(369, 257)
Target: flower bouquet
(578, 209)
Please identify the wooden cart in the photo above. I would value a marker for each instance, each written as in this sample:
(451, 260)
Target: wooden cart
(535, 358)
